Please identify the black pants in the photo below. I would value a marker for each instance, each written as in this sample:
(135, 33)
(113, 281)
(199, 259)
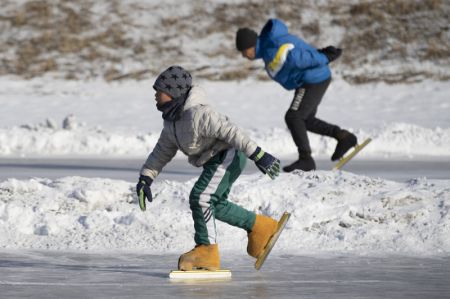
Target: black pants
(301, 115)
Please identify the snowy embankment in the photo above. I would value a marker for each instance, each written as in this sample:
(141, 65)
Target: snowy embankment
(396, 140)
(117, 120)
(331, 211)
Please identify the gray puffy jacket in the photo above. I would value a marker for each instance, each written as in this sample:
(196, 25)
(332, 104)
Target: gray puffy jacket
(200, 134)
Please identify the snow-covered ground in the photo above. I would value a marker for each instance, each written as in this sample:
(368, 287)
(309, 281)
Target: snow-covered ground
(331, 211)
(120, 120)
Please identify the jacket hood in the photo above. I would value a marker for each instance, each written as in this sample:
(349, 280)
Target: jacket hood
(274, 27)
(197, 96)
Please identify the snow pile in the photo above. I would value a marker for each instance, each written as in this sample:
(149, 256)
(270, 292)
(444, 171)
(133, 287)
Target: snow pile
(73, 138)
(121, 119)
(331, 211)
(397, 139)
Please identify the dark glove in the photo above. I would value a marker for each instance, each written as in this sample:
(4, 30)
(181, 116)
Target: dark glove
(143, 190)
(332, 53)
(267, 163)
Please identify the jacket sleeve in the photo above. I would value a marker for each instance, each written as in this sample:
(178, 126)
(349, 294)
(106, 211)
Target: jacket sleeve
(216, 125)
(306, 58)
(163, 152)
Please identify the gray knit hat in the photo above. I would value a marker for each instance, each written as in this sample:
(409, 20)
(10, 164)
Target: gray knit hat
(175, 81)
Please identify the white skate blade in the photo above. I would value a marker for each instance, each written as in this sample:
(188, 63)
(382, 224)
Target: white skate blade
(200, 274)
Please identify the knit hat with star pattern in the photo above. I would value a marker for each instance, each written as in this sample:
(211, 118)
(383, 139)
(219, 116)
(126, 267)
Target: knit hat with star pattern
(175, 81)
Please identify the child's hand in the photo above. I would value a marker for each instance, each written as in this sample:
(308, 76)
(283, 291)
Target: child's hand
(267, 163)
(143, 191)
(332, 53)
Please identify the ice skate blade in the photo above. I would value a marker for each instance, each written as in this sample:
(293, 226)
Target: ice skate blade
(200, 274)
(281, 224)
(356, 150)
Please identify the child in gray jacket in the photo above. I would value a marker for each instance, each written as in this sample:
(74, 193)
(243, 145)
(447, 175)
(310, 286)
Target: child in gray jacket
(210, 141)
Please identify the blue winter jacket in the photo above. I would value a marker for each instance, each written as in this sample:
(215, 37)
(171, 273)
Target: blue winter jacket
(289, 60)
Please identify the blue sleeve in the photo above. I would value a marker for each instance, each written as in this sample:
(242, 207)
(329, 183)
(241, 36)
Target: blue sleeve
(306, 58)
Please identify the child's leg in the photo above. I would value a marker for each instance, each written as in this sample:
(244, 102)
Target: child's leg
(228, 211)
(208, 197)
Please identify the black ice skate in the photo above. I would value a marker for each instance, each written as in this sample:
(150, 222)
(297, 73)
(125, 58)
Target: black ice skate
(346, 141)
(305, 163)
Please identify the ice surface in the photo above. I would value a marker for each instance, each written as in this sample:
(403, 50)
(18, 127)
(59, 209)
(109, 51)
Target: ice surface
(49, 274)
(181, 171)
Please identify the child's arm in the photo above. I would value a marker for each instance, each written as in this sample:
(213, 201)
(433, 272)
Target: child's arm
(306, 58)
(163, 152)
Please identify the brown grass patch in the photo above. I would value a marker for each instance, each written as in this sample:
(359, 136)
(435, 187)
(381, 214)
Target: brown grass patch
(75, 41)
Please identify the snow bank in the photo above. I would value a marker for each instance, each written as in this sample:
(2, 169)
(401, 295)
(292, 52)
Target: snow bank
(331, 211)
(121, 119)
(46, 139)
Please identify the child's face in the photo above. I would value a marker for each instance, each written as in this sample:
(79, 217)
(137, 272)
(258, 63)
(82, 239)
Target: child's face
(249, 53)
(161, 98)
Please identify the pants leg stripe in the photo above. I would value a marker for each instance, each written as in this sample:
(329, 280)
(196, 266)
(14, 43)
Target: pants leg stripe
(297, 99)
(205, 197)
(207, 214)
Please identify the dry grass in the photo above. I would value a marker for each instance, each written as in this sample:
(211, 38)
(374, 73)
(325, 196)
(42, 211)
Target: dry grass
(58, 30)
(401, 32)
(401, 18)
(69, 39)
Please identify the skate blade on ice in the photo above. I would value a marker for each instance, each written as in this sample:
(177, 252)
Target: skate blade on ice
(200, 274)
(281, 224)
(356, 150)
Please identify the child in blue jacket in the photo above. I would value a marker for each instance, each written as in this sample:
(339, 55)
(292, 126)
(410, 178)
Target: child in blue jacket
(298, 66)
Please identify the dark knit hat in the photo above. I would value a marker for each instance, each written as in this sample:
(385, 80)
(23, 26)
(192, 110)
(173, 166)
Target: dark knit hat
(175, 81)
(245, 38)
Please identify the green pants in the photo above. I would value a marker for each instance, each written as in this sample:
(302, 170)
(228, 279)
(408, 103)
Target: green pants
(208, 198)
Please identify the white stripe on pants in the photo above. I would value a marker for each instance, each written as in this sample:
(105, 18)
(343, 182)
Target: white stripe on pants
(205, 197)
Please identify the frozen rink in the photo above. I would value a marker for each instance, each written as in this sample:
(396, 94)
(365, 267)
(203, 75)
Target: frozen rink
(180, 170)
(124, 274)
(69, 192)
(51, 274)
